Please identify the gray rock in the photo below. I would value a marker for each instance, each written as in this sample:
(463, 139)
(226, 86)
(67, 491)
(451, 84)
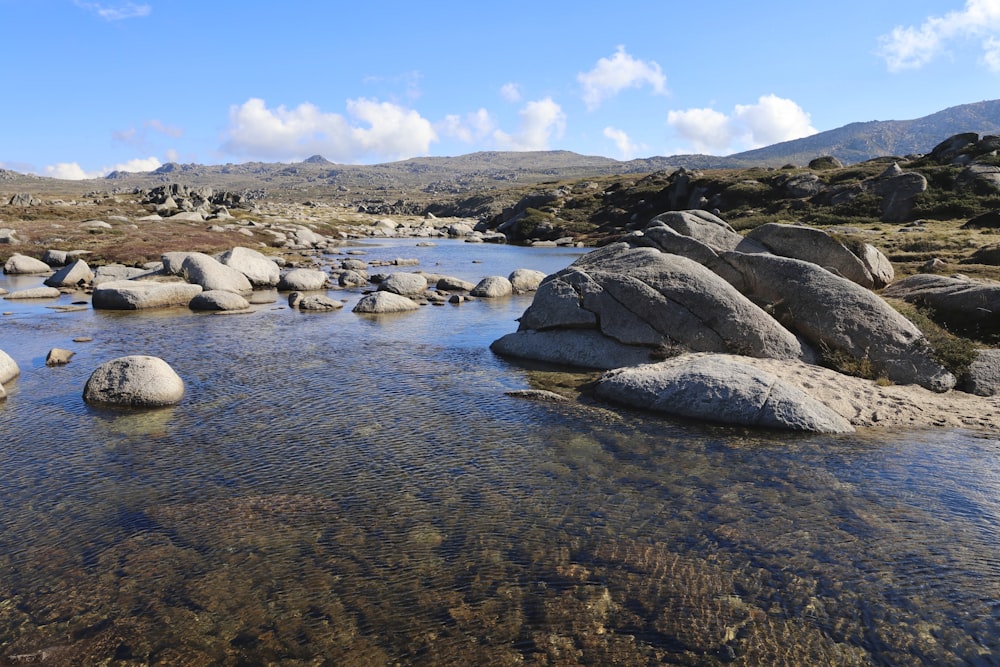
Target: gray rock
(302, 280)
(825, 162)
(259, 269)
(897, 190)
(351, 264)
(384, 302)
(582, 348)
(58, 357)
(218, 300)
(702, 226)
(492, 287)
(211, 274)
(186, 216)
(9, 237)
(812, 245)
(55, 258)
(803, 185)
(313, 302)
(666, 239)
(352, 278)
(34, 293)
(8, 368)
(452, 284)
(961, 303)
(77, 274)
(525, 280)
(134, 381)
(877, 264)
(719, 389)
(833, 313)
(24, 265)
(405, 284)
(983, 178)
(116, 272)
(173, 262)
(983, 376)
(142, 294)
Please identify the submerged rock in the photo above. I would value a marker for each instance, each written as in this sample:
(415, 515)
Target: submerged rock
(384, 302)
(134, 381)
(142, 294)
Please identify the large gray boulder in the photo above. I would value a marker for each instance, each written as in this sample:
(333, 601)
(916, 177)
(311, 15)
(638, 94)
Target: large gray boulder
(77, 274)
(304, 280)
(378, 303)
(643, 297)
(702, 226)
(816, 246)
(8, 368)
(583, 348)
(898, 190)
(960, 303)
(142, 294)
(452, 284)
(201, 269)
(24, 265)
(525, 280)
(492, 287)
(260, 270)
(114, 272)
(134, 381)
(832, 313)
(719, 388)
(218, 300)
(313, 302)
(405, 284)
(983, 376)
(34, 293)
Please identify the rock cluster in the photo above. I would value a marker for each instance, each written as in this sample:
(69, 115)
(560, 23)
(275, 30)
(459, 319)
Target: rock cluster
(689, 283)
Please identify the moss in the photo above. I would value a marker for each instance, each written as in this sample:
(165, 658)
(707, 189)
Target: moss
(953, 352)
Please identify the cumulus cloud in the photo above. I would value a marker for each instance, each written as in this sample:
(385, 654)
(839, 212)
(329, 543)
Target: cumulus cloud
(511, 92)
(612, 75)
(116, 12)
(471, 127)
(372, 130)
(771, 120)
(912, 47)
(627, 149)
(72, 171)
(541, 121)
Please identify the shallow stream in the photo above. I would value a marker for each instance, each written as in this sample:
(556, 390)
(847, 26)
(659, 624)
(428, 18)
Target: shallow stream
(353, 490)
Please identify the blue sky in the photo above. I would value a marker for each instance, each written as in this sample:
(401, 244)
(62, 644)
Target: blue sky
(93, 86)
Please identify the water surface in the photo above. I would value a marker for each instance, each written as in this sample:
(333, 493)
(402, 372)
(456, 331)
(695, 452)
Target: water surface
(342, 489)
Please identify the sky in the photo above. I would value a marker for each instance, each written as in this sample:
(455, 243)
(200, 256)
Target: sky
(96, 86)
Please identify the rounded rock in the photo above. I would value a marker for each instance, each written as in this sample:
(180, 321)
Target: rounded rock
(134, 381)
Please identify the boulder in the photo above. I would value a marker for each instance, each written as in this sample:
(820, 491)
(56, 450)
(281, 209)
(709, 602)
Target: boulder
(982, 178)
(351, 264)
(960, 303)
(525, 280)
(134, 381)
(142, 294)
(452, 284)
(983, 376)
(405, 284)
(34, 293)
(25, 265)
(812, 245)
(55, 258)
(582, 348)
(492, 287)
(719, 388)
(302, 280)
(173, 262)
(384, 302)
(9, 237)
(988, 220)
(260, 270)
(702, 226)
(353, 278)
(832, 313)
(8, 368)
(201, 269)
(954, 146)
(115, 272)
(77, 274)
(825, 162)
(313, 302)
(218, 300)
(58, 357)
(897, 190)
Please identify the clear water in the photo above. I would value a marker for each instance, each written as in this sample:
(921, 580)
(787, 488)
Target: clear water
(347, 490)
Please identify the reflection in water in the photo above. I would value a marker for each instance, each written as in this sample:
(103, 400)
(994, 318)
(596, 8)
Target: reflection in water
(345, 490)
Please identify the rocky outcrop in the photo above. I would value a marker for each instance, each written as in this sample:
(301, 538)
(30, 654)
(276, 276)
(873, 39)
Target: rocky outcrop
(24, 265)
(837, 315)
(142, 294)
(722, 389)
(134, 381)
(960, 303)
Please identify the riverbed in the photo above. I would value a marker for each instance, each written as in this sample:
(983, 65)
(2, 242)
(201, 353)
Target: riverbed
(345, 489)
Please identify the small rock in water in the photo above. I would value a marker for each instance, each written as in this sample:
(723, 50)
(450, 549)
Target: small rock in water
(58, 357)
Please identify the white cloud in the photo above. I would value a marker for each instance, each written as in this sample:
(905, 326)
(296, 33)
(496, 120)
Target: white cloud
(72, 171)
(771, 120)
(469, 128)
(612, 75)
(380, 131)
(626, 148)
(118, 12)
(511, 92)
(913, 47)
(541, 120)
